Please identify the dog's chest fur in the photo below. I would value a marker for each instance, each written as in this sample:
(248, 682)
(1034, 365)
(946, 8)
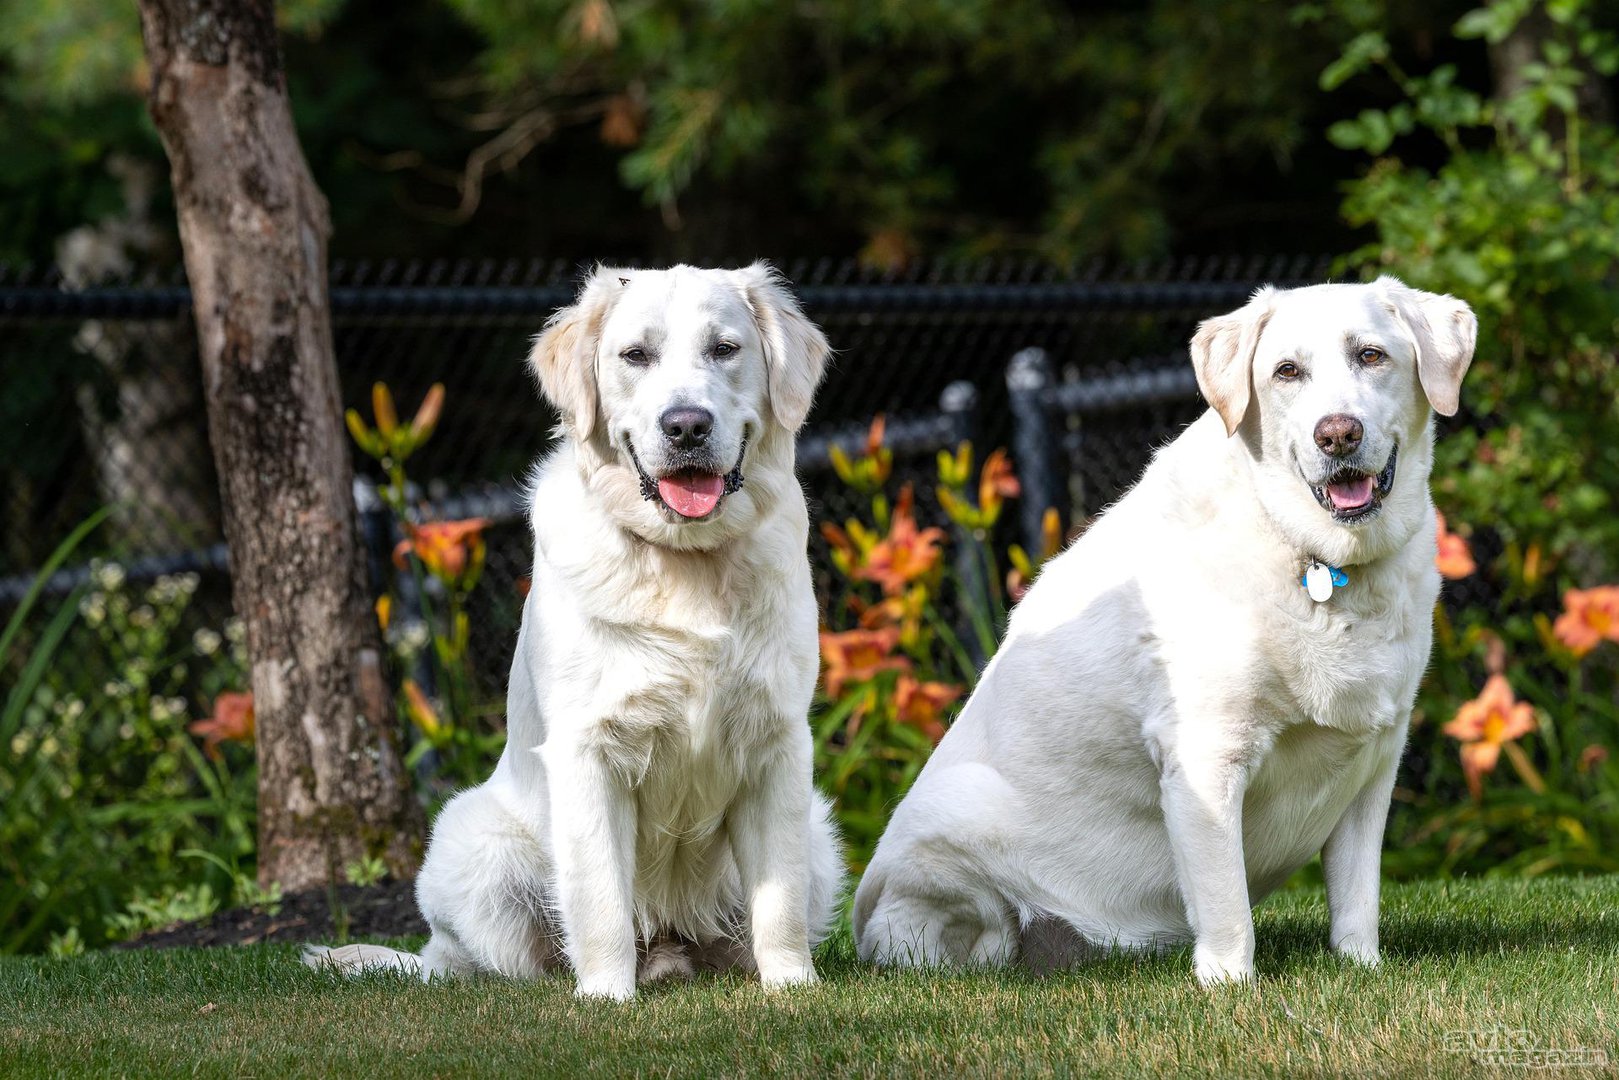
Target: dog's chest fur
(697, 679)
(692, 689)
(1341, 693)
(1353, 661)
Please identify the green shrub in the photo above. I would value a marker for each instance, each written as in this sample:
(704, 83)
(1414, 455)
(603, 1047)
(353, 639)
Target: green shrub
(1520, 218)
(103, 786)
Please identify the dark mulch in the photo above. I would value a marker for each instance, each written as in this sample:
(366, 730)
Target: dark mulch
(374, 911)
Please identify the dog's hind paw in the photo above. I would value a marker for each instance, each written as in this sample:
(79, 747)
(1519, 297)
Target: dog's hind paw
(665, 959)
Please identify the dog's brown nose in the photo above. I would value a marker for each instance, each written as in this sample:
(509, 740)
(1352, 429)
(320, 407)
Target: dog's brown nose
(1338, 435)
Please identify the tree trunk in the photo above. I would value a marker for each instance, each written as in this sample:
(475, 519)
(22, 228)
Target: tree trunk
(1526, 45)
(150, 440)
(254, 227)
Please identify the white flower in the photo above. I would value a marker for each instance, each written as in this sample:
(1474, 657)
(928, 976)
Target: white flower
(188, 583)
(235, 629)
(413, 638)
(108, 575)
(143, 616)
(206, 641)
(126, 732)
(93, 608)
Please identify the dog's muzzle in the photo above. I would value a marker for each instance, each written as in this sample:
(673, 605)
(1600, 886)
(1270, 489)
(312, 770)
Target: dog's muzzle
(691, 492)
(1352, 495)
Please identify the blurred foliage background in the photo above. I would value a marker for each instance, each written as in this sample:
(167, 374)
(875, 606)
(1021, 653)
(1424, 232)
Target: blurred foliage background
(665, 129)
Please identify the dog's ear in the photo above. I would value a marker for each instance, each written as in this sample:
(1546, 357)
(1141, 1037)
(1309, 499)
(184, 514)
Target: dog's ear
(796, 351)
(564, 354)
(1444, 331)
(1223, 357)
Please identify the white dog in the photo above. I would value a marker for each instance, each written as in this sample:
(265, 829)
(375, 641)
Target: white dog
(653, 810)
(1176, 723)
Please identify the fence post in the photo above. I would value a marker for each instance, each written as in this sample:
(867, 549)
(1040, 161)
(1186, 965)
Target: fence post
(376, 530)
(1028, 376)
(959, 405)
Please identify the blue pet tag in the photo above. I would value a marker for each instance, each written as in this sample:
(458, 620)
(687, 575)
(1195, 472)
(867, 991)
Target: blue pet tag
(1320, 579)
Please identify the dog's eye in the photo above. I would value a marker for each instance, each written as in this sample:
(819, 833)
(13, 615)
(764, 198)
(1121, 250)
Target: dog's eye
(724, 348)
(1287, 369)
(634, 356)
(1370, 355)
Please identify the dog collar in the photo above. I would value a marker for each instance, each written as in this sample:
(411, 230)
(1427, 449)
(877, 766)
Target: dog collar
(1320, 579)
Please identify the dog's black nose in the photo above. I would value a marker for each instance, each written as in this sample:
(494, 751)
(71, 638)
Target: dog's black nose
(1339, 435)
(686, 425)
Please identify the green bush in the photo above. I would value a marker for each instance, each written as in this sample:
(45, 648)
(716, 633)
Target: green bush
(107, 795)
(1520, 218)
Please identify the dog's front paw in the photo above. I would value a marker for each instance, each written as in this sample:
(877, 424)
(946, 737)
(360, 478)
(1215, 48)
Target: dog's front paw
(610, 988)
(1212, 970)
(778, 975)
(1359, 950)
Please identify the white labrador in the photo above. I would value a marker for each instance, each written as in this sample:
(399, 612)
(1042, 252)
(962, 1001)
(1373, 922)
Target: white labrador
(653, 810)
(1173, 725)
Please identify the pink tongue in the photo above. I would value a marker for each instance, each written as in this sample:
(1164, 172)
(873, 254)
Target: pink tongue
(692, 494)
(1348, 496)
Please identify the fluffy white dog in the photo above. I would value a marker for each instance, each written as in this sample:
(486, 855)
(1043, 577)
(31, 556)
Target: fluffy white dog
(653, 810)
(1176, 722)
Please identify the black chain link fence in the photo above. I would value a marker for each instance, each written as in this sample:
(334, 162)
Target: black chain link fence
(1081, 372)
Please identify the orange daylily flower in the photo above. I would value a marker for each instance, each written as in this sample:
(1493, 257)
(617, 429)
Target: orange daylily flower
(1531, 564)
(922, 704)
(1021, 576)
(232, 721)
(1589, 616)
(870, 472)
(904, 611)
(421, 711)
(855, 656)
(452, 551)
(389, 439)
(1454, 558)
(845, 556)
(1485, 725)
(906, 553)
(874, 434)
(997, 481)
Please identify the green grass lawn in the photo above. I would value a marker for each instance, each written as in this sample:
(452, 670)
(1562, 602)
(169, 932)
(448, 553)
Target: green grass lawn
(1540, 958)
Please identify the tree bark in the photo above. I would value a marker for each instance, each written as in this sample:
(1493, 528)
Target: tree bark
(254, 227)
(1526, 45)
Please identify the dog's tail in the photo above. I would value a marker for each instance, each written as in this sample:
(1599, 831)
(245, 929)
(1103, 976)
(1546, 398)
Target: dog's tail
(354, 959)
